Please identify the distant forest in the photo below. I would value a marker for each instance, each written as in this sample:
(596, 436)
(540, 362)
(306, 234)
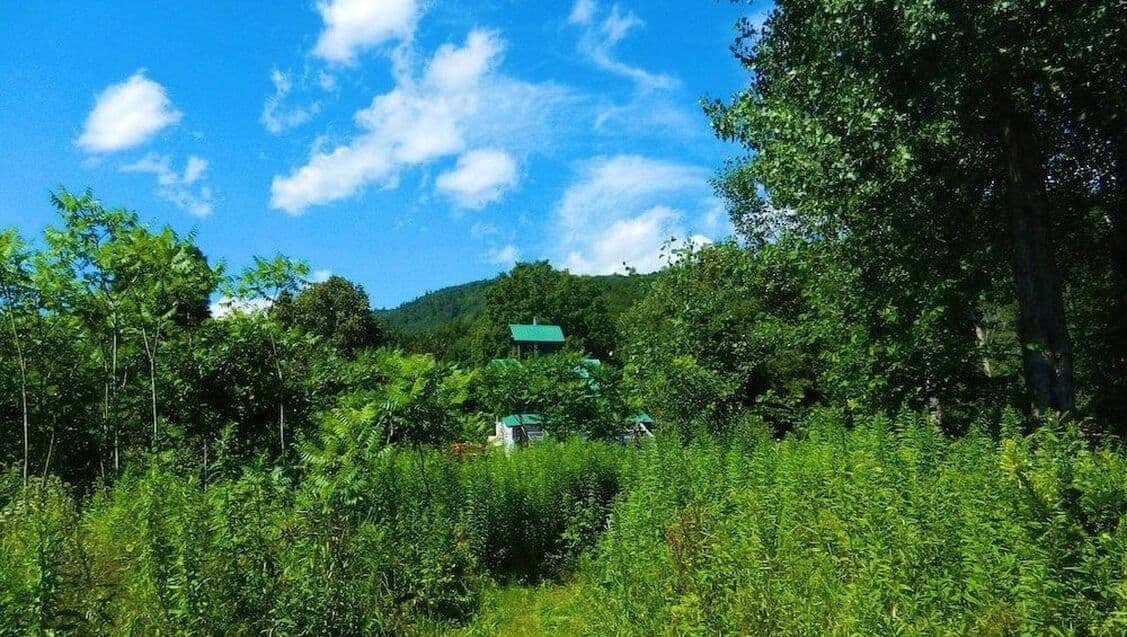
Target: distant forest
(444, 321)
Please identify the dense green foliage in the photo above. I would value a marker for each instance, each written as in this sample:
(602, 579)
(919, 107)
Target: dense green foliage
(745, 343)
(884, 527)
(367, 551)
(894, 404)
(887, 528)
(468, 323)
(962, 162)
(573, 394)
(337, 311)
(434, 309)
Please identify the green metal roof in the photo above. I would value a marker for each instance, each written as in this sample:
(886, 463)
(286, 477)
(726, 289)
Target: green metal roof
(537, 333)
(519, 420)
(643, 418)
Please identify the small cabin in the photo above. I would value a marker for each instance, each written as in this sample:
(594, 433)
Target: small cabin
(536, 339)
(518, 429)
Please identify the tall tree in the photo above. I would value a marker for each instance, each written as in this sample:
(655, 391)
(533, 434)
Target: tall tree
(163, 278)
(929, 134)
(335, 310)
(77, 278)
(536, 291)
(263, 285)
(15, 287)
(727, 329)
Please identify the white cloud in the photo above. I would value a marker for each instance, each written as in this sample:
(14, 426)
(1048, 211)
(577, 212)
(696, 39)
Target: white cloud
(276, 116)
(228, 306)
(643, 242)
(195, 169)
(127, 114)
(457, 68)
(599, 40)
(582, 12)
(320, 276)
(504, 256)
(183, 189)
(479, 178)
(354, 26)
(458, 100)
(651, 114)
(330, 176)
(625, 208)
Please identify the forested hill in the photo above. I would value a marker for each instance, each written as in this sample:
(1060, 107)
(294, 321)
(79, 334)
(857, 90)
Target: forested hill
(438, 307)
(463, 301)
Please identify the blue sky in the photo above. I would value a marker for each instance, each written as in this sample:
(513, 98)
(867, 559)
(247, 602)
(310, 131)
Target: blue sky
(403, 144)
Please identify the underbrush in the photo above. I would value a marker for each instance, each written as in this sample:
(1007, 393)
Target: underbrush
(882, 528)
(886, 528)
(400, 542)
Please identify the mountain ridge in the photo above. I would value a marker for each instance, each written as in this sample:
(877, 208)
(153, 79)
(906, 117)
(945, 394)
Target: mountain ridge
(463, 301)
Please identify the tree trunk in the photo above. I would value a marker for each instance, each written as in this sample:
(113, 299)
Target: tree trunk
(104, 441)
(22, 362)
(26, 421)
(50, 449)
(111, 404)
(282, 427)
(1042, 330)
(151, 354)
(281, 400)
(153, 395)
(982, 340)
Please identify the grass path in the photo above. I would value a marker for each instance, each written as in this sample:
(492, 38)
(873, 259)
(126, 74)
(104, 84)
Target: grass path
(548, 609)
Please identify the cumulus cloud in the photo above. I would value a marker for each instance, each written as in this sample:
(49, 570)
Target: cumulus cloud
(126, 115)
(600, 37)
(479, 178)
(624, 209)
(276, 116)
(185, 189)
(228, 306)
(504, 256)
(456, 101)
(639, 242)
(354, 26)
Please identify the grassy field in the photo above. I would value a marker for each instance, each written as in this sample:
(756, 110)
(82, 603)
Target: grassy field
(888, 527)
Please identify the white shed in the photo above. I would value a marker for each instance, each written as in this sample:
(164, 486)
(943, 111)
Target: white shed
(518, 429)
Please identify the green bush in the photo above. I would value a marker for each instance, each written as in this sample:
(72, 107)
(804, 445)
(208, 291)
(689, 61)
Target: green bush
(395, 540)
(529, 515)
(42, 566)
(887, 527)
(882, 529)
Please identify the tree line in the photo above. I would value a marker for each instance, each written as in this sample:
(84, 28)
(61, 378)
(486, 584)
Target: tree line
(962, 168)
